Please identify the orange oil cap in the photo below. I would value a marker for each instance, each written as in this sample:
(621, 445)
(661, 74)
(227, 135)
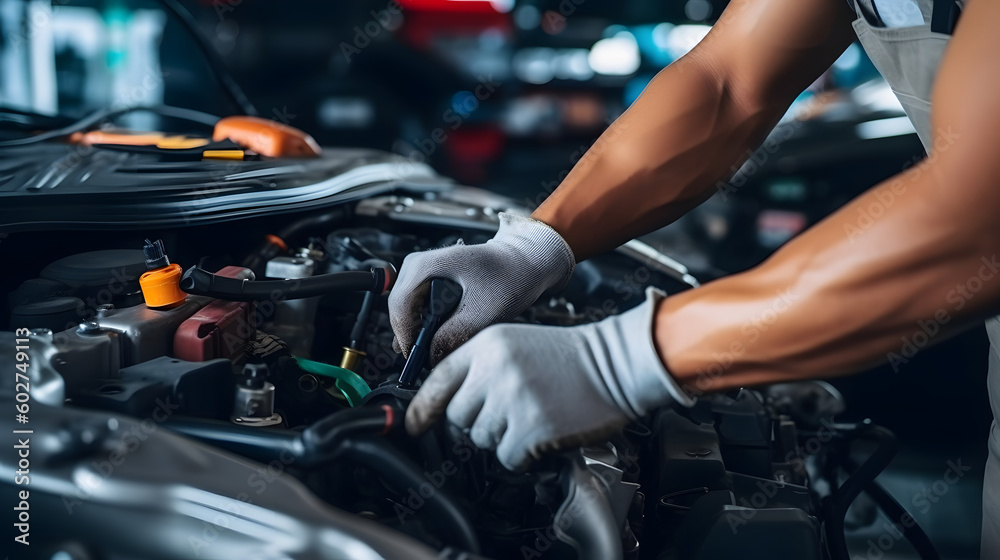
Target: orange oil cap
(276, 241)
(161, 287)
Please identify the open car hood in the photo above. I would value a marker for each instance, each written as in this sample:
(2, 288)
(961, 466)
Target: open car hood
(72, 187)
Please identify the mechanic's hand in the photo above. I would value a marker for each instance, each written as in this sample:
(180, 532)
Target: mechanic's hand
(526, 390)
(499, 280)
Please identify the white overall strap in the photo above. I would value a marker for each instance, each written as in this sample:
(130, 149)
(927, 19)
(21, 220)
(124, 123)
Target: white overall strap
(943, 19)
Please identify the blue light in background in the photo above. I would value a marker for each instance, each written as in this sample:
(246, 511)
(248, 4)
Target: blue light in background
(613, 30)
(464, 103)
(652, 43)
(634, 87)
(116, 18)
(853, 68)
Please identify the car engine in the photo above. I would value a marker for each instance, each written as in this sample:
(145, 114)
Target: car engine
(259, 414)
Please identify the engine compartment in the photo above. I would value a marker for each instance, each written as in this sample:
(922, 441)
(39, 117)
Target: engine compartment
(269, 428)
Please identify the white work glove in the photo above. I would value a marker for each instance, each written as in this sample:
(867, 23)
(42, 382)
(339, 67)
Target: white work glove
(526, 390)
(499, 279)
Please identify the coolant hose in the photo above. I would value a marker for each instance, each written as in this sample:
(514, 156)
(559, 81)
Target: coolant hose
(348, 434)
(324, 439)
(260, 444)
(893, 510)
(404, 476)
(313, 446)
(585, 520)
(200, 282)
(837, 503)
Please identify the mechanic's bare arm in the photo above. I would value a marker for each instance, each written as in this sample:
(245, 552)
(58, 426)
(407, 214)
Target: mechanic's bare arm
(842, 295)
(695, 121)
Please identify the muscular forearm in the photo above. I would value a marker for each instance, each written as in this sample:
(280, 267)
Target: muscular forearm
(901, 267)
(696, 121)
(661, 158)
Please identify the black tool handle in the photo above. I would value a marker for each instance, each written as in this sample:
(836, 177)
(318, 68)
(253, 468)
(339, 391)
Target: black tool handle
(441, 302)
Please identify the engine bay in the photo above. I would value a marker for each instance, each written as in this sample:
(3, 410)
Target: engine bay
(267, 424)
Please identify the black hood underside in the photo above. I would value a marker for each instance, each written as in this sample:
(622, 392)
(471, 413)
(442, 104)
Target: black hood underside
(57, 186)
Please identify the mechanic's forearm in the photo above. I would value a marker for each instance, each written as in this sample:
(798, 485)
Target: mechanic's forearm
(696, 121)
(664, 156)
(901, 267)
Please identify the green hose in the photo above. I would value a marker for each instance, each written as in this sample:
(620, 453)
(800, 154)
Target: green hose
(350, 384)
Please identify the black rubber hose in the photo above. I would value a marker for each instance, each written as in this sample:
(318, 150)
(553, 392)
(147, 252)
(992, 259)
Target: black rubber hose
(585, 516)
(361, 323)
(324, 438)
(198, 281)
(404, 475)
(895, 511)
(838, 503)
(313, 446)
(346, 434)
(872, 466)
(259, 444)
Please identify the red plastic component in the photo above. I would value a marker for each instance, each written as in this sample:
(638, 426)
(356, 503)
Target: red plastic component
(421, 29)
(470, 149)
(453, 6)
(390, 418)
(221, 329)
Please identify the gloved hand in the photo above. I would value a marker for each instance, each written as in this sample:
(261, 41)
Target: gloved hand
(526, 390)
(499, 279)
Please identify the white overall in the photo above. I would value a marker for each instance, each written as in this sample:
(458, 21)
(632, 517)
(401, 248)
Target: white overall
(908, 59)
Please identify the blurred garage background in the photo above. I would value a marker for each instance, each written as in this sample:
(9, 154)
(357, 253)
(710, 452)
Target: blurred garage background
(507, 95)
